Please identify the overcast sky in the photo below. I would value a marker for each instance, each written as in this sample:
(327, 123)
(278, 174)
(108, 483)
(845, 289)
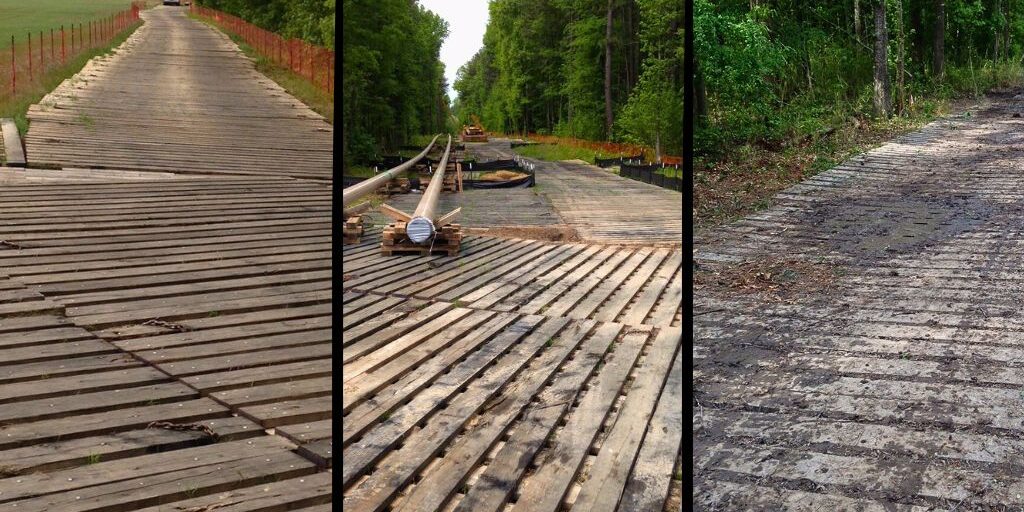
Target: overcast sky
(467, 20)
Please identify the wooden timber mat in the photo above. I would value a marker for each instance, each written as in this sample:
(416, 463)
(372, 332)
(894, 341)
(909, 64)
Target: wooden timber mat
(165, 344)
(521, 374)
(600, 206)
(857, 346)
(178, 96)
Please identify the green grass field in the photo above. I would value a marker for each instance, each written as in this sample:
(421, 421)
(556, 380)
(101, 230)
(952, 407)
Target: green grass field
(17, 106)
(19, 17)
(556, 152)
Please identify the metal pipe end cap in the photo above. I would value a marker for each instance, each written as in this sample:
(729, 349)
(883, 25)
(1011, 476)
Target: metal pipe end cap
(419, 229)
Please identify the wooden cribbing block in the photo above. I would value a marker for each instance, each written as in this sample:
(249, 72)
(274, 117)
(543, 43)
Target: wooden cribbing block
(448, 240)
(14, 152)
(352, 231)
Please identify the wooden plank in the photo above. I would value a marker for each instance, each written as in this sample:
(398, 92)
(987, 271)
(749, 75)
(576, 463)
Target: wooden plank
(369, 373)
(360, 418)
(77, 384)
(420, 447)
(359, 456)
(366, 355)
(277, 372)
(620, 300)
(301, 433)
(133, 493)
(443, 479)
(291, 494)
(276, 392)
(290, 411)
(62, 454)
(249, 360)
(119, 420)
(608, 476)
(63, 406)
(14, 153)
(651, 476)
(244, 345)
(466, 334)
(548, 486)
(320, 452)
(214, 334)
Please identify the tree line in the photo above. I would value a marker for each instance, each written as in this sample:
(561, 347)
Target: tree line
(592, 69)
(768, 70)
(309, 20)
(393, 84)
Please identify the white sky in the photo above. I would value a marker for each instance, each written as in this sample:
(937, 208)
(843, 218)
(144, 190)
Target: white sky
(467, 20)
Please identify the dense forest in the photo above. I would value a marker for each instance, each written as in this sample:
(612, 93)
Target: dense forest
(310, 20)
(773, 71)
(393, 85)
(592, 69)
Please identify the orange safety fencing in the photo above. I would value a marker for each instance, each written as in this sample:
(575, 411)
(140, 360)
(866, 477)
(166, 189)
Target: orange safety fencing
(314, 63)
(31, 55)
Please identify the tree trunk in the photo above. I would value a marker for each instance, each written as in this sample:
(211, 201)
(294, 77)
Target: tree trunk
(627, 42)
(883, 107)
(857, 27)
(608, 74)
(939, 47)
(995, 44)
(900, 58)
(1006, 31)
(917, 44)
(700, 93)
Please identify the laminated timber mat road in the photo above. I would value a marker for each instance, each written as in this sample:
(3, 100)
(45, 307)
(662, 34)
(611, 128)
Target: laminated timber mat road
(858, 345)
(164, 343)
(599, 205)
(178, 96)
(518, 375)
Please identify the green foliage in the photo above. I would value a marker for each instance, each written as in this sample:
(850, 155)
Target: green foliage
(296, 85)
(785, 69)
(309, 20)
(541, 70)
(393, 83)
(653, 113)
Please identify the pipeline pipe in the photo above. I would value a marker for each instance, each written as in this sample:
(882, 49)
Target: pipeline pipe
(365, 187)
(421, 227)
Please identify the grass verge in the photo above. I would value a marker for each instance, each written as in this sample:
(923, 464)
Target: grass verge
(745, 179)
(739, 169)
(300, 87)
(29, 94)
(556, 152)
(359, 171)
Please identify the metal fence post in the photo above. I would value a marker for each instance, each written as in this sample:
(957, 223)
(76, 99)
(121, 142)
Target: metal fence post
(14, 71)
(63, 56)
(31, 76)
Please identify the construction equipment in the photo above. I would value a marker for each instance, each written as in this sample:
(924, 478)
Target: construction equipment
(424, 231)
(353, 228)
(474, 132)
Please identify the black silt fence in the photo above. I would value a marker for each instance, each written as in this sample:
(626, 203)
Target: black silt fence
(649, 174)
